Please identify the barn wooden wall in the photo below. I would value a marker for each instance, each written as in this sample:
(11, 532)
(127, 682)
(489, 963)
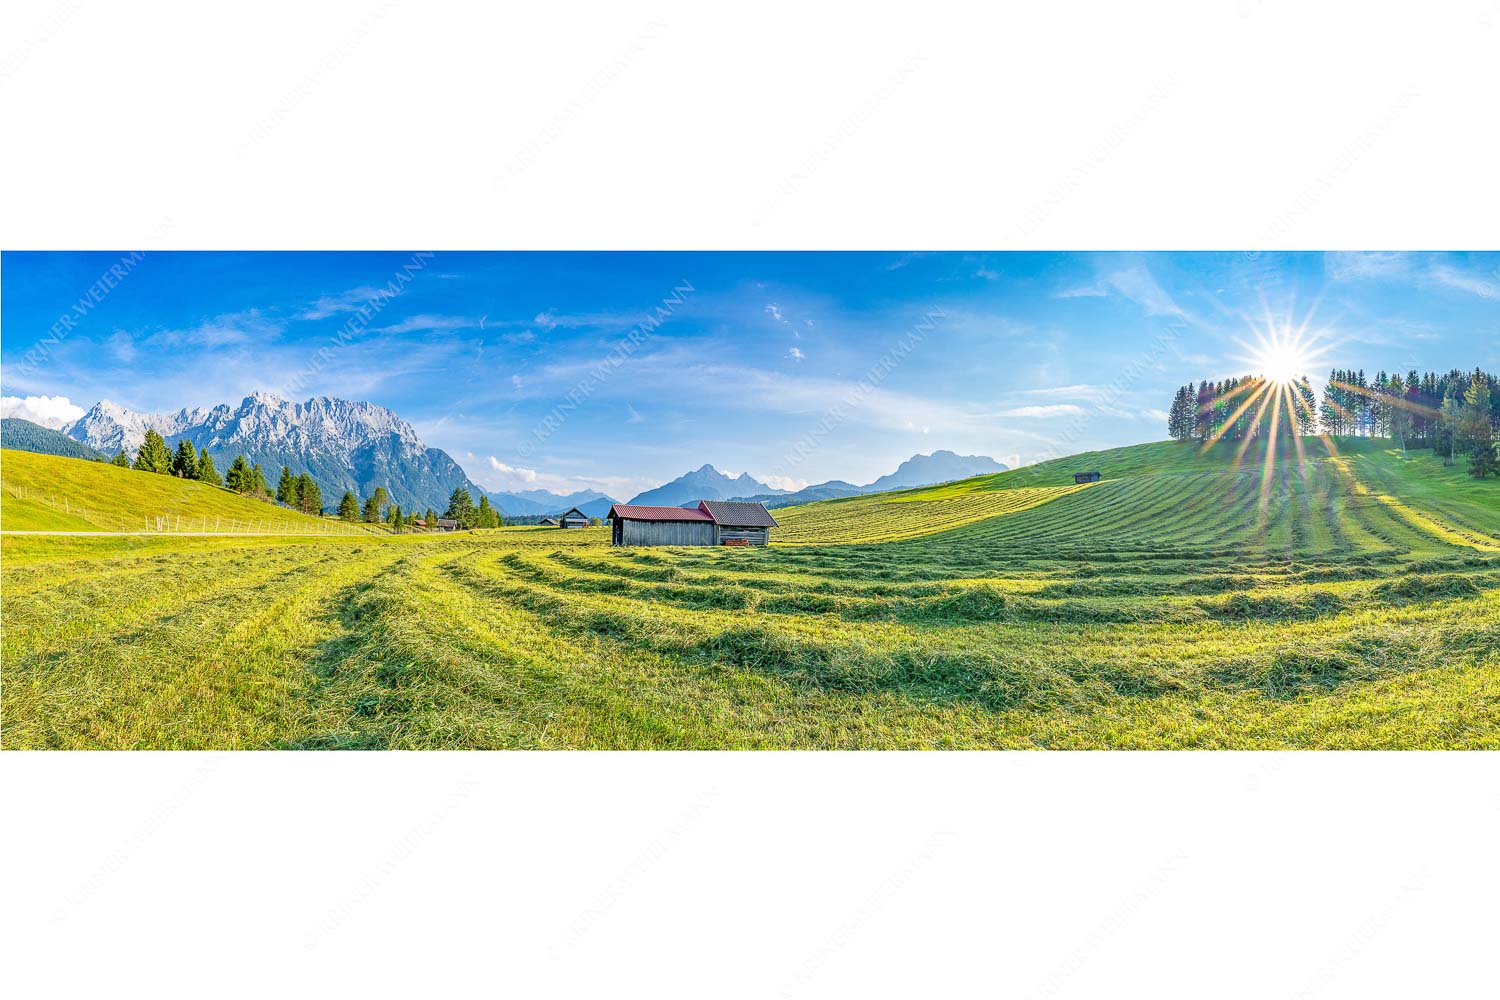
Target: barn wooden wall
(668, 533)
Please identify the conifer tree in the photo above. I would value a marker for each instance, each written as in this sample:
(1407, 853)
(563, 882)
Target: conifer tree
(185, 462)
(461, 507)
(153, 455)
(239, 477)
(308, 498)
(484, 517)
(286, 488)
(258, 481)
(122, 460)
(206, 471)
(348, 507)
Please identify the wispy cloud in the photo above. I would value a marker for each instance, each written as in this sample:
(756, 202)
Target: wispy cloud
(333, 305)
(1095, 291)
(1048, 410)
(1357, 266)
(427, 323)
(1452, 277)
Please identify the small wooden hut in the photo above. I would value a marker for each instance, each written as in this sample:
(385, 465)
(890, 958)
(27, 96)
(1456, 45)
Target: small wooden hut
(1086, 477)
(712, 522)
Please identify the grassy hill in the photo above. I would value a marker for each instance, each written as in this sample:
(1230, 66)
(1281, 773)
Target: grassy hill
(1347, 599)
(23, 435)
(52, 493)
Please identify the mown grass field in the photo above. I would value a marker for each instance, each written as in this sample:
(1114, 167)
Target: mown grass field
(1186, 601)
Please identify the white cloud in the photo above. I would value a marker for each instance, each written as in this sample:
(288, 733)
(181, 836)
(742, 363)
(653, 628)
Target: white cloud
(1485, 288)
(329, 305)
(633, 417)
(1081, 390)
(1154, 414)
(1049, 410)
(1082, 292)
(426, 322)
(509, 476)
(795, 354)
(49, 411)
(775, 312)
(1137, 285)
(1345, 266)
(782, 482)
(515, 381)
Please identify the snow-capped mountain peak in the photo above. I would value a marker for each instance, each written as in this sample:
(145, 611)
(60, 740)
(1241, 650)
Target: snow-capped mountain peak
(343, 444)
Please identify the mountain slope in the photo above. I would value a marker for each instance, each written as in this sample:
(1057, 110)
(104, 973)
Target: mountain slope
(706, 483)
(919, 470)
(533, 503)
(939, 467)
(1165, 497)
(342, 444)
(51, 493)
(23, 435)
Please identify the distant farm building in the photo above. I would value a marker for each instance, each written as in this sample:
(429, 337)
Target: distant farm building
(448, 524)
(712, 522)
(419, 523)
(548, 522)
(574, 518)
(1086, 477)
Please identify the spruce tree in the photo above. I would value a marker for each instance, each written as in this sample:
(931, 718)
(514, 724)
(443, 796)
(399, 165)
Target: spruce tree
(122, 460)
(185, 462)
(258, 481)
(154, 455)
(348, 507)
(371, 511)
(286, 488)
(307, 497)
(239, 477)
(461, 507)
(206, 471)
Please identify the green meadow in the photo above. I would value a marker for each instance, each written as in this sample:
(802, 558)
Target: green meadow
(1340, 598)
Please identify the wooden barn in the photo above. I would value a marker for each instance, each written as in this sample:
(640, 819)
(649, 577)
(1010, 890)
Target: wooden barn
(712, 522)
(574, 518)
(1086, 477)
(548, 522)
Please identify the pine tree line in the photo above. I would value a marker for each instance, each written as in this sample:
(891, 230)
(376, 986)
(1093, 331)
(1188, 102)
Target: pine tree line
(1452, 413)
(300, 492)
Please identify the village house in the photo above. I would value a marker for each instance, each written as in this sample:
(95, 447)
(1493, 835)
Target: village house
(574, 518)
(712, 522)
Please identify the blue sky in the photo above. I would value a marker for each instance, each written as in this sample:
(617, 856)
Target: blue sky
(795, 367)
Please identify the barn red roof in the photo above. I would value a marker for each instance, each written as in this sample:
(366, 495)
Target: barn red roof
(645, 513)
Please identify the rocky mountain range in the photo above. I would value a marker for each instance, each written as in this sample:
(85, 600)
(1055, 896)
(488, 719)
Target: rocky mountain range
(919, 470)
(706, 483)
(358, 446)
(343, 444)
(534, 503)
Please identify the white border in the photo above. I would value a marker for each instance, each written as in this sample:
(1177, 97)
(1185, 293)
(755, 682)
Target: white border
(1256, 124)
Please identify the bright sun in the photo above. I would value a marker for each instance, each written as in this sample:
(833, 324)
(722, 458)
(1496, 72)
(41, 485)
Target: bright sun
(1281, 363)
(1281, 354)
